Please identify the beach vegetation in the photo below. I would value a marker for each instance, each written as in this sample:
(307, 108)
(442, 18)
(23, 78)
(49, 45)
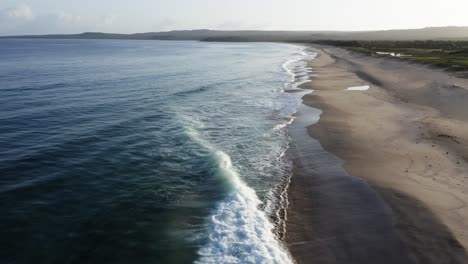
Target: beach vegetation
(450, 55)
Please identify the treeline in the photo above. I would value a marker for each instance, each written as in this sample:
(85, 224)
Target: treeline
(419, 44)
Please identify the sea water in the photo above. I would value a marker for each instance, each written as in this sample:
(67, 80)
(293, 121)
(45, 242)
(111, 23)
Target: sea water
(145, 151)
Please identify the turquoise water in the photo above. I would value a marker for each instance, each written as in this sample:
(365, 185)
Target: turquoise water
(144, 151)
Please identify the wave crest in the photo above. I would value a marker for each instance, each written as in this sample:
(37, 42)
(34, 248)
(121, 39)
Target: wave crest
(239, 232)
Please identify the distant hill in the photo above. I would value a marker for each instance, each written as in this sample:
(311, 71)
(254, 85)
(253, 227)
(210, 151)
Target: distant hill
(433, 33)
(430, 33)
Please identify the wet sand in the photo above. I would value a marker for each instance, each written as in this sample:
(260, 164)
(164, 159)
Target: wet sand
(392, 185)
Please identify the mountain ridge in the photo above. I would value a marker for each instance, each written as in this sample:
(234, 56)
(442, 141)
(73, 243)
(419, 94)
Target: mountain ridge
(428, 33)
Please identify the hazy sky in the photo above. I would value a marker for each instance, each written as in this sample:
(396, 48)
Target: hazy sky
(67, 16)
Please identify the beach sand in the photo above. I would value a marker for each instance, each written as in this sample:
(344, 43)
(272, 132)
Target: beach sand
(403, 143)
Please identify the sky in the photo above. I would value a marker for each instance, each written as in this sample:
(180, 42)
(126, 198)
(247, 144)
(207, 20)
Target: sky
(132, 16)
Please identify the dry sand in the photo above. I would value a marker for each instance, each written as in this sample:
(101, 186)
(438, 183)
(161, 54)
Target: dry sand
(407, 137)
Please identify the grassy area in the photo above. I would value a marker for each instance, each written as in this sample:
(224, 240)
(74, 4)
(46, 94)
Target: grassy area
(450, 55)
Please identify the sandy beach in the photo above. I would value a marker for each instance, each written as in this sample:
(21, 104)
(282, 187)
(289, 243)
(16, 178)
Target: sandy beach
(392, 183)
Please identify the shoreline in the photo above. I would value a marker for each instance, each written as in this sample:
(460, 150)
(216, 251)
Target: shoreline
(389, 196)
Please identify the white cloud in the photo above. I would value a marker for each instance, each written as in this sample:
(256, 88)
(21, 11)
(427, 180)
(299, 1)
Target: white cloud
(55, 23)
(238, 25)
(66, 18)
(106, 23)
(22, 11)
(165, 24)
(21, 20)
(108, 20)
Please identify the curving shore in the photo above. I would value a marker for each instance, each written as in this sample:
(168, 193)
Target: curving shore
(393, 184)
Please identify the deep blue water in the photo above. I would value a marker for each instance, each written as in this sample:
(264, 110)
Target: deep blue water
(143, 151)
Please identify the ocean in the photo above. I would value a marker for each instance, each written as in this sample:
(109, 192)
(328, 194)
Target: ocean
(116, 151)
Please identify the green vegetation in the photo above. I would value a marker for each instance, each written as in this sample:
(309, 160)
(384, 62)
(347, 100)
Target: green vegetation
(450, 55)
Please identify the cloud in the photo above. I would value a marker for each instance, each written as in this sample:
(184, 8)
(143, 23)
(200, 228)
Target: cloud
(230, 25)
(66, 18)
(105, 23)
(21, 20)
(22, 11)
(16, 17)
(56, 22)
(238, 25)
(165, 24)
(108, 20)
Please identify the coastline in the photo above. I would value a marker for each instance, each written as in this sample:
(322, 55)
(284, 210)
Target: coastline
(392, 185)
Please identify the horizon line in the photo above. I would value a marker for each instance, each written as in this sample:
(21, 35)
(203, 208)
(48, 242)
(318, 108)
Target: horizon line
(233, 30)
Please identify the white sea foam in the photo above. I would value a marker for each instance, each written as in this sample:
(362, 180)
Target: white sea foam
(358, 88)
(288, 69)
(299, 73)
(393, 54)
(297, 68)
(239, 232)
(285, 124)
